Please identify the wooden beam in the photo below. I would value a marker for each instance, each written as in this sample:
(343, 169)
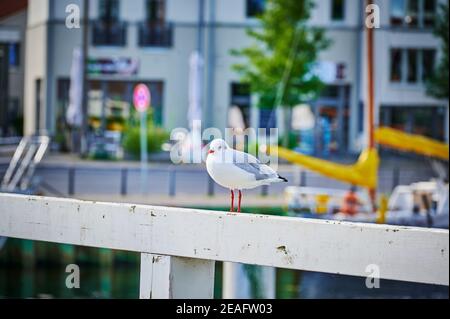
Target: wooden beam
(401, 253)
(164, 277)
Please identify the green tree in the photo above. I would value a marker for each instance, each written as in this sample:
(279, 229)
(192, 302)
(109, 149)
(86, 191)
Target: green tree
(278, 65)
(437, 86)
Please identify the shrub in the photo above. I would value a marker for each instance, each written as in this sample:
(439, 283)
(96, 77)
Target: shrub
(293, 140)
(293, 143)
(156, 136)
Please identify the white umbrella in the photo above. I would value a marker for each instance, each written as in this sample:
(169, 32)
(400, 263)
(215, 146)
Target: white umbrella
(236, 123)
(302, 117)
(236, 118)
(193, 141)
(74, 114)
(195, 87)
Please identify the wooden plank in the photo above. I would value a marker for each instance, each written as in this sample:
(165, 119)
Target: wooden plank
(401, 253)
(145, 279)
(164, 277)
(236, 283)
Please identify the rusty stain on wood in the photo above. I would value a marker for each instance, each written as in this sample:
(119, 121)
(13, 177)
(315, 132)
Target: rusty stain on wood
(156, 259)
(287, 258)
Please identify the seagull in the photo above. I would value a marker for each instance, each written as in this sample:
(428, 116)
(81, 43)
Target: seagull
(237, 170)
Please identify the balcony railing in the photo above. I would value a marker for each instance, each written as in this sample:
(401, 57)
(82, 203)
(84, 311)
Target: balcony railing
(155, 34)
(179, 246)
(109, 33)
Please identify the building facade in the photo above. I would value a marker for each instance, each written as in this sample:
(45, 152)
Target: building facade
(13, 23)
(150, 41)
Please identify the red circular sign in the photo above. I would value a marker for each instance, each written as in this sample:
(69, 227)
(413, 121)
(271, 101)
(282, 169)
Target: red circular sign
(141, 97)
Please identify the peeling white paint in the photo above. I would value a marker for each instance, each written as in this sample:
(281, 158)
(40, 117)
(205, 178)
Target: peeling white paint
(402, 253)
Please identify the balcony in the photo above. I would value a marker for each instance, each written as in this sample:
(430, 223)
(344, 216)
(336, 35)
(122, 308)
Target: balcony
(105, 33)
(155, 34)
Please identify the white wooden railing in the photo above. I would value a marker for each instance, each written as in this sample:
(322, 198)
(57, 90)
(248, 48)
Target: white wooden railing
(179, 246)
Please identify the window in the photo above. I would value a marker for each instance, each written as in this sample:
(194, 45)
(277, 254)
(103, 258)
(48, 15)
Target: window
(429, 13)
(338, 10)
(155, 10)
(396, 65)
(411, 66)
(240, 97)
(109, 10)
(157, 89)
(428, 57)
(255, 7)
(155, 31)
(14, 54)
(4, 76)
(330, 91)
(413, 13)
(423, 119)
(108, 30)
(397, 12)
(38, 103)
(62, 103)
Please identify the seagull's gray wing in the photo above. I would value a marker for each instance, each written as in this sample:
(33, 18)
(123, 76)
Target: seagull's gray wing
(249, 164)
(256, 169)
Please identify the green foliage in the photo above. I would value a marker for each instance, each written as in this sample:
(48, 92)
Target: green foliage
(254, 274)
(292, 139)
(292, 142)
(156, 136)
(253, 148)
(283, 43)
(437, 86)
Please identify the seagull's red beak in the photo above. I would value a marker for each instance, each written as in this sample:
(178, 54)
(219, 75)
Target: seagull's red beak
(210, 152)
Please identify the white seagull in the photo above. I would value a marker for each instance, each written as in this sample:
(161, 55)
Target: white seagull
(237, 170)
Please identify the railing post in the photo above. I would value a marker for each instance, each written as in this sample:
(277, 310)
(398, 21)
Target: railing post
(395, 177)
(264, 190)
(172, 182)
(302, 178)
(210, 186)
(237, 285)
(164, 277)
(71, 181)
(123, 181)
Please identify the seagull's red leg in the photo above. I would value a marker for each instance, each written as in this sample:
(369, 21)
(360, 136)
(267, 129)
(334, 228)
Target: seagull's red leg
(232, 201)
(239, 201)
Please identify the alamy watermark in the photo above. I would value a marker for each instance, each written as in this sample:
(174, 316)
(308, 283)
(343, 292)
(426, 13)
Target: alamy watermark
(373, 277)
(73, 17)
(373, 16)
(189, 145)
(73, 279)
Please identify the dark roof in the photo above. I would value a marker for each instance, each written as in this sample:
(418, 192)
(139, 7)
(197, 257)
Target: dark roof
(9, 7)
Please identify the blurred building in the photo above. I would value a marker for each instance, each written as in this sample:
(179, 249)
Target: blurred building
(150, 41)
(13, 23)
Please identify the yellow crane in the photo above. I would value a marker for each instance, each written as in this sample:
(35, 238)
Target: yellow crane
(364, 172)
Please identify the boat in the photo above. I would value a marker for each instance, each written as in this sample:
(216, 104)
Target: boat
(421, 204)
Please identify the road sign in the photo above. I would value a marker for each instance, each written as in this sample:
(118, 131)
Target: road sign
(141, 97)
(141, 101)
